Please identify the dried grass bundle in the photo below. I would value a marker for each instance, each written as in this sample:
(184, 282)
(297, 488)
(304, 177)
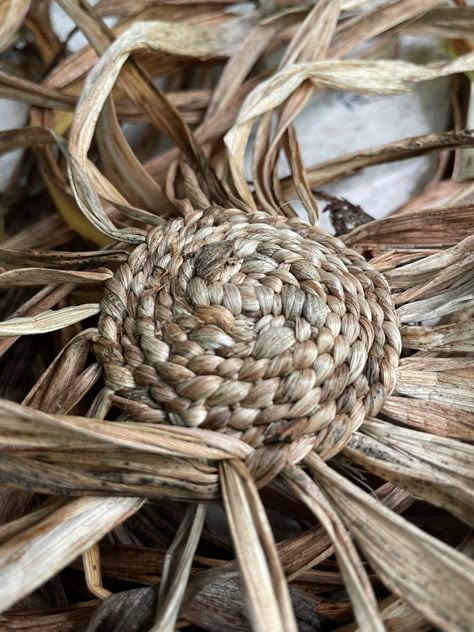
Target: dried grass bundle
(218, 352)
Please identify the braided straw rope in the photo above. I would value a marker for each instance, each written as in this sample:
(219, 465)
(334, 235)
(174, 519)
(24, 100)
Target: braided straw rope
(263, 328)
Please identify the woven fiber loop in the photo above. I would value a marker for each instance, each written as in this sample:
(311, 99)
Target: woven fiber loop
(264, 328)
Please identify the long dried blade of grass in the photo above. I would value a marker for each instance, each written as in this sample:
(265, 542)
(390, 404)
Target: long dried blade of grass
(435, 418)
(266, 589)
(45, 276)
(399, 614)
(80, 471)
(452, 456)
(26, 91)
(71, 618)
(437, 386)
(33, 556)
(61, 260)
(160, 439)
(48, 321)
(44, 299)
(437, 285)
(123, 168)
(96, 90)
(447, 22)
(430, 228)
(377, 77)
(445, 338)
(57, 390)
(361, 77)
(10, 529)
(413, 564)
(178, 562)
(430, 268)
(240, 63)
(127, 611)
(116, 153)
(298, 173)
(12, 14)
(376, 22)
(49, 232)
(186, 40)
(310, 43)
(355, 577)
(457, 298)
(24, 137)
(349, 164)
(396, 463)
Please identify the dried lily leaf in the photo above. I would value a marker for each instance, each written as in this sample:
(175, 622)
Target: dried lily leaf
(48, 321)
(430, 228)
(27, 91)
(445, 338)
(45, 276)
(355, 578)
(377, 21)
(61, 260)
(56, 540)
(415, 566)
(437, 386)
(44, 299)
(177, 567)
(267, 591)
(435, 418)
(447, 22)
(349, 164)
(360, 77)
(397, 463)
(12, 14)
(70, 618)
(310, 43)
(129, 611)
(24, 137)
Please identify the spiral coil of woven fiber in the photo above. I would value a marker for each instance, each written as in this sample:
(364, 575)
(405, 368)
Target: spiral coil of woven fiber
(264, 328)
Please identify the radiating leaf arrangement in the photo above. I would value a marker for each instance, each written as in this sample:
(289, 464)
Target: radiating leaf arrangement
(187, 365)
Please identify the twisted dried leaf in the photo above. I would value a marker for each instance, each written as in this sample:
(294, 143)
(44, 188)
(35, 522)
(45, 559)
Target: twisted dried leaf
(266, 589)
(48, 546)
(48, 321)
(413, 564)
(12, 14)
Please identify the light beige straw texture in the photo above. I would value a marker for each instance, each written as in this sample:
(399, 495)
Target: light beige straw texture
(263, 328)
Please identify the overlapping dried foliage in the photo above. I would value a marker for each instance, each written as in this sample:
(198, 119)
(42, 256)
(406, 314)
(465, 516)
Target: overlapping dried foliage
(110, 515)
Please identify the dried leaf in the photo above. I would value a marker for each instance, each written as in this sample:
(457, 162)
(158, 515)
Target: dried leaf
(48, 321)
(355, 578)
(45, 276)
(178, 561)
(349, 164)
(413, 564)
(48, 546)
(12, 14)
(266, 589)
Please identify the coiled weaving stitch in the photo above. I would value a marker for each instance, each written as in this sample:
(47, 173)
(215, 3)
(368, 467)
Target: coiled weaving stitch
(267, 329)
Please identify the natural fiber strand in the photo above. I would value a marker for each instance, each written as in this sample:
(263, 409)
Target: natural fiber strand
(214, 349)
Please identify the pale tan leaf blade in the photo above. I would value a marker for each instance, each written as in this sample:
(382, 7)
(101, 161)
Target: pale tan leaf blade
(267, 592)
(177, 568)
(33, 556)
(413, 564)
(51, 320)
(12, 14)
(355, 577)
(44, 276)
(395, 463)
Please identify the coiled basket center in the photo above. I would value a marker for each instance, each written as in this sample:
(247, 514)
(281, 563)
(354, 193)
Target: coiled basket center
(264, 328)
